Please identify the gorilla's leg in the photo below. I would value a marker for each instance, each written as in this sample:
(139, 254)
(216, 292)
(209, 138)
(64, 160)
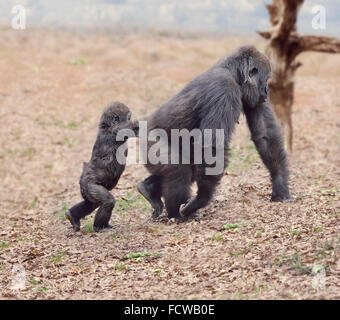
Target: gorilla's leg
(79, 211)
(206, 187)
(268, 140)
(176, 190)
(107, 202)
(151, 189)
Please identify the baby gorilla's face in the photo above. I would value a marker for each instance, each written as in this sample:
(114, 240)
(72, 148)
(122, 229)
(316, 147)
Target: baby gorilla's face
(114, 114)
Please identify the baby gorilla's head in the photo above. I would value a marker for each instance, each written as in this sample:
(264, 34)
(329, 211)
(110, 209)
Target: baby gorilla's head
(114, 114)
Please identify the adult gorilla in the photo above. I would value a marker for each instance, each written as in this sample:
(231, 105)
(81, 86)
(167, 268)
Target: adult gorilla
(215, 100)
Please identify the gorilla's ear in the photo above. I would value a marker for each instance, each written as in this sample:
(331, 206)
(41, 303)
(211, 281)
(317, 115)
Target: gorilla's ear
(245, 67)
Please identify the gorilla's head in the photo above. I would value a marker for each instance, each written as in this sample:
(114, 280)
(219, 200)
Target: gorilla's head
(252, 71)
(114, 114)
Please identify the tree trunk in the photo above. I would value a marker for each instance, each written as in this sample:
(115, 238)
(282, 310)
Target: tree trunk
(284, 44)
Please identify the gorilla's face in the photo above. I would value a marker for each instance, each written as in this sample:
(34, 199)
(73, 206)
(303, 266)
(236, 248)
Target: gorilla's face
(114, 114)
(256, 74)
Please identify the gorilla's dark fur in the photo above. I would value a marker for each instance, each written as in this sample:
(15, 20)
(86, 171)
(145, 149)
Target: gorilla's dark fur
(103, 171)
(215, 100)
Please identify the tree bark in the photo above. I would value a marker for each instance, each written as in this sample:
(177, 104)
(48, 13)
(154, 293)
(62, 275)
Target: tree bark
(284, 44)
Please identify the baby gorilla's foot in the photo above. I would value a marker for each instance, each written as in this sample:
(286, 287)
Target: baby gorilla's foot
(102, 228)
(74, 221)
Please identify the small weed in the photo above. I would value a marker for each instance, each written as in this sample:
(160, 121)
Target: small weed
(120, 266)
(237, 253)
(240, 296)
(217, 237)
(133, 255)
(157, 271)
(295, 233)
(78, 61)
(295, 262)
(29, 153)
(43, 289)
(131, 202)
(4, 244)
(88, 227)
(329, 192)
(58, 258)
(61, 213)
(34, 281)
(259, 233)
(68, 125)
(158, 254)
(230, 226)
(72, 125)
(318, 229)
(317, 268)
(59, 123)
(69, 141)
(32, 204)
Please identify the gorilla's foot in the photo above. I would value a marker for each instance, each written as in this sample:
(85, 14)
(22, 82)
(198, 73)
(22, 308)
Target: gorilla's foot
(74, 221)
(282, 199)
(156, 203)
(143, 190)
(102, 228)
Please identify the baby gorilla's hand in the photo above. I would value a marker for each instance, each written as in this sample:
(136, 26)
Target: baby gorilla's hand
(135, 127)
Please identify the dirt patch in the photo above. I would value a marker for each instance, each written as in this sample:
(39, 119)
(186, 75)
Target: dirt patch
(54, 86)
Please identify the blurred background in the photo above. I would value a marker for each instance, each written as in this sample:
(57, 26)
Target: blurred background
(215, 16)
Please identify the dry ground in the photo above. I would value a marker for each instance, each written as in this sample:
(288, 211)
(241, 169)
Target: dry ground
(53, 87)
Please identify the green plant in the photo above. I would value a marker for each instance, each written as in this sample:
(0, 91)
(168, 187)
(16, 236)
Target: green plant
(259, 233)
(296, 264)
(120, 266)
(57, 258)
(295, 233)
(317, 268)
(237, 253)
(88, 227)
(69, 125)
(318, 229)
(133, 255)
(230, 226)
(217, 237)
(60, 214)
(34, 281)
(4, 244)
(43, 289)
(131, 202)
(77, 61)
(157, 271)
(32, 204)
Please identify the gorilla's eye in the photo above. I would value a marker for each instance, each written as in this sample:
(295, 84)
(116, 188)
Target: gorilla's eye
(129, 116)
(115, 119)
(253, 72)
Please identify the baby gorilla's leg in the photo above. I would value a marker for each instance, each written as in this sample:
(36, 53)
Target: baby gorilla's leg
(107, 203)
(79, 211)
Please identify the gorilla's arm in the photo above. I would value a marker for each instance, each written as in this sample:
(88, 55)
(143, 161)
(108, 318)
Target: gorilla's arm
(268, 140)
(221, 107)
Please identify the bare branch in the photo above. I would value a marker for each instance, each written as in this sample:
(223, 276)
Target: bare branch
(316, 43)
(264, 34)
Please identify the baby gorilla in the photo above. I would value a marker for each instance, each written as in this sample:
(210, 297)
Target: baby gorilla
(103, 171)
